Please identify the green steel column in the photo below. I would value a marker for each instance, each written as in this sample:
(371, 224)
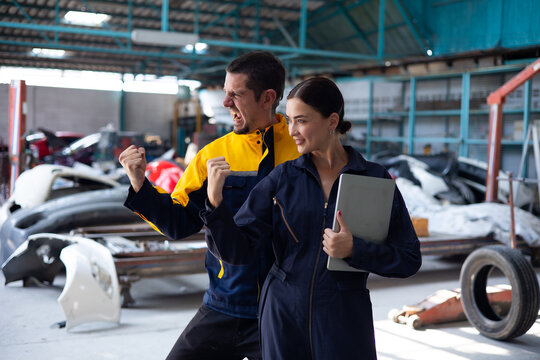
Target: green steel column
(526, 107)
(236, 20)
(380, 48)
(369, 120)
(464, 122)
(129, 19)
(122, 125)
(412, 110)
(303, 25)
(56, 20)
(257, 20)
(196, 25)
(165, 15)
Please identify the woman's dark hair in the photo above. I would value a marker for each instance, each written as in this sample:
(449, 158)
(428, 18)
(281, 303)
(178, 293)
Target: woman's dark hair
(323, 95)
(264, 71)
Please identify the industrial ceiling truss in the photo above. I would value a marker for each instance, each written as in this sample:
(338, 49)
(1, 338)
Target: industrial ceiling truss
(149, 36)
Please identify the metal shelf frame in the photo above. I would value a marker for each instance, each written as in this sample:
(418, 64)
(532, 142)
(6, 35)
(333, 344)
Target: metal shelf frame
(464, 113)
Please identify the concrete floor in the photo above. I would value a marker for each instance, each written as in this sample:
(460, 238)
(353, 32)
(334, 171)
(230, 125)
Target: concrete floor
(164, 307)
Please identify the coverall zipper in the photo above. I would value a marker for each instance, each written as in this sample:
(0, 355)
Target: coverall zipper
(284, 219)
(313, 286)
(310, 330)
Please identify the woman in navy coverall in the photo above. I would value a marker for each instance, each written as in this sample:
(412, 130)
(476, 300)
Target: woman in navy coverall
(307, 311)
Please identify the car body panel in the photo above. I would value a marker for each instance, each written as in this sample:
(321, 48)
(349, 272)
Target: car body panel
(99, 207)
(37, 258)
(45, 182)
(92, 292)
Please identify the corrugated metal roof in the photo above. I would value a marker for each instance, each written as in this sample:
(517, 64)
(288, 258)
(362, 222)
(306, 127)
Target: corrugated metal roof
(339, 34)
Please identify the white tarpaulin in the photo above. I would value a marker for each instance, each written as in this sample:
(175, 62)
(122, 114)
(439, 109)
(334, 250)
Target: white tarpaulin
(469, 220)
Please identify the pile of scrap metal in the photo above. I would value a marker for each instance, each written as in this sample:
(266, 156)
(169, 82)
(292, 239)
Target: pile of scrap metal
(44, 142)
(76, 220)
(451, 179)
(448, 192)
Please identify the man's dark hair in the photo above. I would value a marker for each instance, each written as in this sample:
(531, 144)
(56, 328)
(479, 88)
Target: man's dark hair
(264, 71)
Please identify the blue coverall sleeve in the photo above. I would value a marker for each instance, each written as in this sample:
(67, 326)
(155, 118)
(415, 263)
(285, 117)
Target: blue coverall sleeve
(238, 240)
(164, 213)
(399, 256)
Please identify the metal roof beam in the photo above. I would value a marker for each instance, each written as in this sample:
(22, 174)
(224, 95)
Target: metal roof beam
(172, 22)
(380, 46)
(303, 25)
(85, 3)
(292, 23)
(285, 33)
(355, 26)
(44, 36)
(226, 15)
(234, 34)
(285, 49)
(262, 5)
(79, 41)
(335, 11)
(116, 51)
(316, 17)
(66, 29)
(230, 44)
(371, 32)
(423, 41)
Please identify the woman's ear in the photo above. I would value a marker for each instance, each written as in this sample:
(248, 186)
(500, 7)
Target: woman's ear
(267, 98)
(334, 120)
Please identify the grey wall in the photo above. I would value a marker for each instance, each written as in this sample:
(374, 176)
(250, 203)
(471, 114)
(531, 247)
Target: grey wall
(86, 111)
(150, 113)
(83, 111)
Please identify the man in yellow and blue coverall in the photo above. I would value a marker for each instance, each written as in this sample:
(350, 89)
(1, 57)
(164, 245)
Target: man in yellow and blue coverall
(225, 326)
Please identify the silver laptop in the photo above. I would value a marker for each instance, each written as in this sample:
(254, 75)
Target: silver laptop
(366, 205)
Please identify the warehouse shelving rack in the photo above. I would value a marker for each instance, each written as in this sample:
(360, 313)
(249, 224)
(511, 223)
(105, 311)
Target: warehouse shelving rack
(407, 118)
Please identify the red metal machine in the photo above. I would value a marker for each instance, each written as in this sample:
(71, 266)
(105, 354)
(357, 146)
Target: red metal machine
(496, 103)
(17, 127)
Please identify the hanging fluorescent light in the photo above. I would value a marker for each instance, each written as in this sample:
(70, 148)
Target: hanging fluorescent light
(163, 38)
(51, 53)
(429, 52)
(85, 18)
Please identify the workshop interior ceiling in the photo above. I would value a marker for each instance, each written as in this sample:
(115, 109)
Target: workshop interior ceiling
(311, 37)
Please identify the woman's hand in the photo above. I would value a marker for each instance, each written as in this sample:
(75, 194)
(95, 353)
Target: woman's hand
(218, 169)
(338, 244)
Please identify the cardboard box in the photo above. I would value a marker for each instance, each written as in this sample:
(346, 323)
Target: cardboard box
(420, 226)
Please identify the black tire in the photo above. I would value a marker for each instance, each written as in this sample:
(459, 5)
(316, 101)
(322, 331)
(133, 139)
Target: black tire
(525, 292)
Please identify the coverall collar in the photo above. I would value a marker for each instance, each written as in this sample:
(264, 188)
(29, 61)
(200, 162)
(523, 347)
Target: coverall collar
(356, 161)
(279, 127)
